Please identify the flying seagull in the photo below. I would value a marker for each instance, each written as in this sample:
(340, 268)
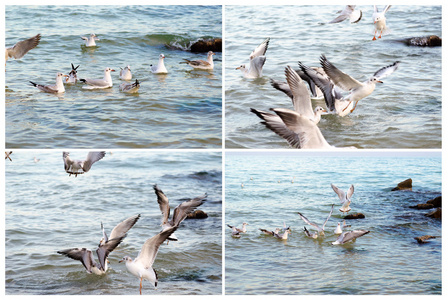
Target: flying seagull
(81, 166)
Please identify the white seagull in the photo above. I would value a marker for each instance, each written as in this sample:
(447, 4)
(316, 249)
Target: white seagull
(90, 41)
(141, 266)
(350, 13)
(77, 167)
(358, 90)
(130, 87)
(104, 83)
(282, 236)
(338, 229)
(160, 68)
(320, 230)
(72, 77)
(55, 88)
(180, 212)
(236, 231)
(349, 236)
(256, 61)
(106, 246)
(344, 197)
(125, 73)
(201, 64)
(379, 20)
(21, 48)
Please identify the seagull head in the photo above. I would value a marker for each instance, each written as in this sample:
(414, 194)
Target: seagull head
(242, 67)
(210, 53)
(126, 259)
(161, 56)
(109, 70)
(375, 80)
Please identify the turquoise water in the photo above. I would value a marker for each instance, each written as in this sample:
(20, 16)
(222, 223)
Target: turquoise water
(386, 261)
(182, 109)
(403, 112)
(46, 211)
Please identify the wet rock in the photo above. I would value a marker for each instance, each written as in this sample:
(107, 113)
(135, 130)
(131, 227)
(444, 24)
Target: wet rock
(214, 45)
(424, 41)
(423, 206)
(404, 185)
(437, 214)
(436, 202)
(355, 216)
(424, 238)
(197, 214)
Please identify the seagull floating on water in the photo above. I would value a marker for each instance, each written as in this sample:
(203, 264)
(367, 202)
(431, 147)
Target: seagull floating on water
(268, 232)
(55, 88)
(349, 236)
(180, 212)
(320, 230)
(130, 87)
(77, 167)
(104, 83)
(72, 77)
(282, 236)
(105, 247)
(125, 73)
(308, 234)
(160, 68)
(201, 64)
(236, 231)
(350, 13)
(256, 61)
(379, 20)
(90, 41)
(21, 48)
(344, 197)
(358, 90)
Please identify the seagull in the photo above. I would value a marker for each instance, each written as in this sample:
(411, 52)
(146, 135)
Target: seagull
(36, 160)
(160, 68)
(80, 166)
(180, 212)
(7, 155)
(332, 94)
(90, 41)
(125, 73)
(56, 88)
(237, 231)
(141, 266)
(350, 13)
(320, 230)
(106, 246)
(338, 229)
(104, 83)
(256, 61)
(130, 87)
(276, 231)
(282, 236)
(379, 20)
(344, 197)
(284, 226)
(201, 64)
(308, 234)
(349, 236)
(72, 76)
(316, 93)
(21, 48)
(358, 90)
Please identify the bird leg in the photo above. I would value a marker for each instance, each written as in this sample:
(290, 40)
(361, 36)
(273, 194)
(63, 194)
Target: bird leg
(380, 34)
(374, 38)
(141, 279)
(347, 105)
(354, 106)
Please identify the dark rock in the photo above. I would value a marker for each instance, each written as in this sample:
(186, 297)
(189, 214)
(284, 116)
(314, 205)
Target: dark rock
(355, 216)
(197, 214)
(423, 206)
(214, 45)
(404, 185)
(424, 41)
(437, 201)
(424, 239)
(437, 214)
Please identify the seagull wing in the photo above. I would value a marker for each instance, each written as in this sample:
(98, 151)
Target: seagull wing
(344, 14)
(123, 227)
(256, 66)
(186, 207)
(96, 82)
(106, 248)
(339, 192)
(283, 87)
(328, 218)
(301, 97)
(84, 255)
(267, 231)
(164, 204)
(150, 248)
(386, 8)
(350, 192)
(308, 221)
(92, 157)
(22, 47)
(350, 235)
(67, 161)
(386, 71)
(261, 49)
(344, 81)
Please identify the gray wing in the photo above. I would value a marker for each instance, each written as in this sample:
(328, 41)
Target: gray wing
(267, 231)
(261, 49)
(256, 65)
(308, 221)
(301, 97)
(186, 207)
(328, 218)
(386, 8)
(150, 248)
(96, 82)
(344, 14)
(46, 88)
(282, 86)
(123, 227)
(164, 204)
(276, 124)
(386, 71)
(92, 157)
(307, 131)
(344, 81)
(350, 191)
(198, 62)
(22, 47)
(84, 255)
(67, 161)
(304, 76)
(350, 235)
(104, 250)
(339, 192)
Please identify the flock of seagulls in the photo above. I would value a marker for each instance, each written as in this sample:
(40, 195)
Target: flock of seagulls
(142, 265)
(343, 237)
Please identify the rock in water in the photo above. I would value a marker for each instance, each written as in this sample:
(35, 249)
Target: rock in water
(214, 45)
(197, 214)
(404, 185)
(355, 216)
(424, 239)
(424, 41)
(437, 214)
(437, 201)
